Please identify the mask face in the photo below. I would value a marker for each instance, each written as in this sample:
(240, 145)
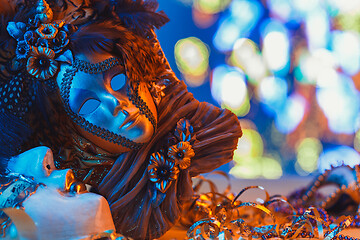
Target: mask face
(55, 211)
(102, 99)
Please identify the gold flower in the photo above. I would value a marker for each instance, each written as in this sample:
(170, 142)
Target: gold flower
(41, 64)
(162, 172)
(181, 153)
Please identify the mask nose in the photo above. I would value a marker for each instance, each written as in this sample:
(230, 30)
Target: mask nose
(127, 108)
(120, 107)
(64, 180)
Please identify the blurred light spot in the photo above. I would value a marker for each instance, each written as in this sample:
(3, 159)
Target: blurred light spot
(317, 29)
(276, 50)
(233, 89)
(226, 35)
(272, 92)
(299, 170)
(277, 138)
(305, 5)
(192, 59)
(271, 168)
(250, 168)
(275, 47)
(242, 110)
(338, 156)
(217, 77)
(357, 141)
(345, 6)
(271, 25)
(308, 151)
(281, 8)
(318, 66)
(346, 47)
(229, 89)
(246, 56)
(203, 20)
(235, 25)
(349, 22)
(211, 6)
(292, 114)
(249, 145)
(250, 11)
(340, 104)
(327, 78)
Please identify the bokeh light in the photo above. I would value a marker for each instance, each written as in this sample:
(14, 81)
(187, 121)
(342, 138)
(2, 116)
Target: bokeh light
(211, 6)
(234, 25)
(229, 89)
(246, 56)
(346, 48)
(338, 156)
(339, 101)
(249, 158)
(291, 68)
(249, 146)
(276, 46)
(272, 93)
(192, 58)
(288, 118)
(308, 152)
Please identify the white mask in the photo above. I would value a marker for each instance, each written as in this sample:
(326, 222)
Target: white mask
(55, 213)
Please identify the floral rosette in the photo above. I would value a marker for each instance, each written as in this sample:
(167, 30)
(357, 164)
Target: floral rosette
(166, 164)
(40, 41)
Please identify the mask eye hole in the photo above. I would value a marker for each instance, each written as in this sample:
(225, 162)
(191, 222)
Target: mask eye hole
(89, 106)
(118, 82)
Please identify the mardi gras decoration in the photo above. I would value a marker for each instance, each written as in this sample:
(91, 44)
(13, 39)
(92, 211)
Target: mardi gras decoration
(88, 79)
(304, 214)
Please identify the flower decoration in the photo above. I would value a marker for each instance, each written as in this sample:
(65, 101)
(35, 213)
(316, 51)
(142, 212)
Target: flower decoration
(60, 41)
(41, 42)
(22, 50)
(16, 29)
(29, 37)
(162, 172)
(47, 31)
(181, 153)
(184, 130)
(41, 64)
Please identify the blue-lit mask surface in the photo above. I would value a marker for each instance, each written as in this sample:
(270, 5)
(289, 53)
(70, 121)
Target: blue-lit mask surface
(100, 105)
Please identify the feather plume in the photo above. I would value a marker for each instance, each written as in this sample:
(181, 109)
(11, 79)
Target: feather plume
(140, 15)
(94, 38)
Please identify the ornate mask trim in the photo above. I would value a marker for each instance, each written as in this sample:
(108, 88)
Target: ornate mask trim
(86, 125)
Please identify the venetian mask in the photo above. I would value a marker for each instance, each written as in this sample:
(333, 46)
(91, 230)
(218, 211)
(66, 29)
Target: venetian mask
(66, 218)
(109, 110)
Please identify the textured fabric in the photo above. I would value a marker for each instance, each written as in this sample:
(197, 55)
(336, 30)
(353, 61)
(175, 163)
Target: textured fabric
(216, 131)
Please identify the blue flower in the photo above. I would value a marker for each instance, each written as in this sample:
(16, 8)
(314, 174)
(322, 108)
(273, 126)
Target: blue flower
(41, 42)
(30, 38)
(22, 49)
(60, 41)
(162, 172)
